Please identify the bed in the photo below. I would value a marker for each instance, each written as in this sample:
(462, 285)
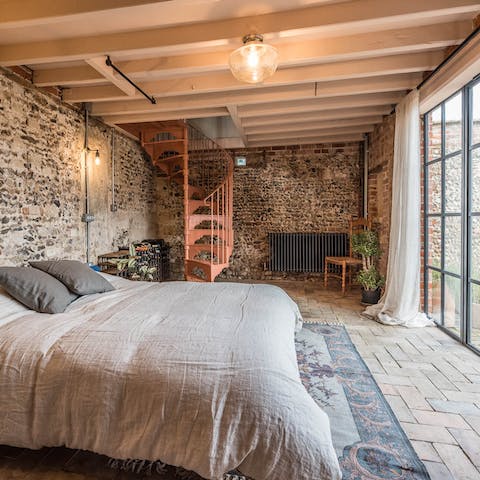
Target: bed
(202, 376)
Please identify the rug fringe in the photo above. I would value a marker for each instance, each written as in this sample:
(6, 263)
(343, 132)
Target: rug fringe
(333, 324)
(149, 468)
(145, 467)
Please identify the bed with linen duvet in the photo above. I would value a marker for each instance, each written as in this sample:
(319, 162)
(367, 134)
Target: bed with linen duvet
(198, 375)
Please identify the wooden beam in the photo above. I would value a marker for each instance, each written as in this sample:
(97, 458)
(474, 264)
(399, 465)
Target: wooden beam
(315, 50)
(330, 72)
(67, 76)
(164, 116)
(307, 125)
(278, 102)
(99, 64)
(233, 111)
(263, 94)
(206, 100)
(321, 104)
(311, 133)
(315, 140)
(329, 18)
(453, 75)
(34, 11)
(343, 114)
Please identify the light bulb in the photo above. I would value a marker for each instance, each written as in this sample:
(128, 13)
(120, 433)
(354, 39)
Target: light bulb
(252, 57)
(97, 158)
(255, 61)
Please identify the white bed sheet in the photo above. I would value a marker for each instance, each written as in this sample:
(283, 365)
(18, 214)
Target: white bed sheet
(202, 376)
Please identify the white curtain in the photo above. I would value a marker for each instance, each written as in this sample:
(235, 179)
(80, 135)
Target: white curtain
(401, 300)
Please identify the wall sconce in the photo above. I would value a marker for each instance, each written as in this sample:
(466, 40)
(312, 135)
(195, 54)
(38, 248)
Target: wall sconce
(97, 154)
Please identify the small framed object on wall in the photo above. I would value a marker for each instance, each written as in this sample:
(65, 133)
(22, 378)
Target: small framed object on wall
(240, 161)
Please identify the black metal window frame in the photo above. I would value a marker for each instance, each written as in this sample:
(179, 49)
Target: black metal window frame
(466, 214)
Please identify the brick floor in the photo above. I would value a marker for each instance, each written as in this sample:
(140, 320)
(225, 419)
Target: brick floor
(431, 381)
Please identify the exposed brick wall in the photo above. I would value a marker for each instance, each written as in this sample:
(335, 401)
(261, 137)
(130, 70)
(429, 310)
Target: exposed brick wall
(380, 173)
(41, 180)
(307, 188)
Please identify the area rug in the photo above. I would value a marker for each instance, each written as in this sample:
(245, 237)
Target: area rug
(368, 439)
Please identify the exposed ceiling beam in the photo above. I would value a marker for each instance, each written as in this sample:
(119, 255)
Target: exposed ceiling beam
(99, 64)
(297, 53)
(331, 72)
(306, 125)
(163, 116)
(276, 103)
(315, 140)
(316, 105)
(262, 95)
(233, 111)
(311, 133)
(34, 11)
(331, 18)
(205, 100)
(286, 120)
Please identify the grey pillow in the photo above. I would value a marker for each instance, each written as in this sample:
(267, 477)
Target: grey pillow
(35, 289)
(76, 276)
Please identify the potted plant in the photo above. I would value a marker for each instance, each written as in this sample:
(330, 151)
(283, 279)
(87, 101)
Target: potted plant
(367, 246)
(135, 270)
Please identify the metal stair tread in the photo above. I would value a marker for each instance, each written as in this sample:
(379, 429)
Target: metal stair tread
(206, 263)
(168, 159)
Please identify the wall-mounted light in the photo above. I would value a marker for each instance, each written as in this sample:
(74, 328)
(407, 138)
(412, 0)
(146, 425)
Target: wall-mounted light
(97, 154)
(255, 61)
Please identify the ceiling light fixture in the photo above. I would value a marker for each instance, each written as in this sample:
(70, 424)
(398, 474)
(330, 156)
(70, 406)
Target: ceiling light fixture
(255, 61)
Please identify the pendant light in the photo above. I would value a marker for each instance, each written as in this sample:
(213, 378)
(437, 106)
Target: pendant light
(255, 61)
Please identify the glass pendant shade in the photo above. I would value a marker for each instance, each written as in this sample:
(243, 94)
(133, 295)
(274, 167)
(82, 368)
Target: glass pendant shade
(255, 61)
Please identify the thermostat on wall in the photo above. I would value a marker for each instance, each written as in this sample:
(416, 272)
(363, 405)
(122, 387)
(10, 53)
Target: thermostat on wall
(240, 161)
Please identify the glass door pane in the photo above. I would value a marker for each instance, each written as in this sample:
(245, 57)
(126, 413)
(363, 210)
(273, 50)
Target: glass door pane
(475, 248)
(475, 315)
(475, 126)
(473, 278)
(475, 176)
(453, 124)
(434, 307)
(453, 245)
(434, 122)
(452, 307)
(434, 181)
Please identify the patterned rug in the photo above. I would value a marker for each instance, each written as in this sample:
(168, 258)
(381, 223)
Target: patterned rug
(368, 439)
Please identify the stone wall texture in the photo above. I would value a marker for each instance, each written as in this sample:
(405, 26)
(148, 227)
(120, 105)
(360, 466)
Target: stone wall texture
(380, 172)
(171, 223)
(42, 183)
(306, 188)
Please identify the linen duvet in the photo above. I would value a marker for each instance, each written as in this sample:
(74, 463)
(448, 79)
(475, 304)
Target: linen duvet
(197, 375)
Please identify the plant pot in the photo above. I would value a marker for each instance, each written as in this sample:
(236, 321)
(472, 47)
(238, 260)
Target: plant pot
(371, 296)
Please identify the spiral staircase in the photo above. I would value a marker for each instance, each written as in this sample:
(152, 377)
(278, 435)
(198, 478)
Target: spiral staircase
(205, 170)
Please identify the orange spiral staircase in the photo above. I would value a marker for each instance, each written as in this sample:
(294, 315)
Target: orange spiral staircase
(205, 170)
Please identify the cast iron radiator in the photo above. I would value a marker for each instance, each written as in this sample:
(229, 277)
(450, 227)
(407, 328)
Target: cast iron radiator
(304, 252)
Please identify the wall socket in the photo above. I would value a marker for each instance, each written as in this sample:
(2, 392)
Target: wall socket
(88, 217)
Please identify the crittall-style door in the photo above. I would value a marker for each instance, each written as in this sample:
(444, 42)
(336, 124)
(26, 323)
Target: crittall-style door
(452, 214)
